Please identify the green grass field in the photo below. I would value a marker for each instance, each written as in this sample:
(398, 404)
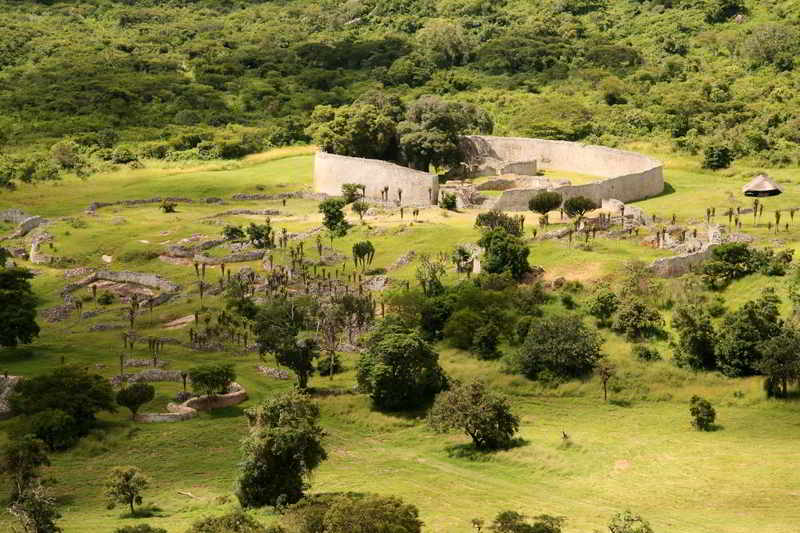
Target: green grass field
(638, 452)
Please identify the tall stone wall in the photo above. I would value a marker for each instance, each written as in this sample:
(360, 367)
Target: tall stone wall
(626, 176)
(332, 171)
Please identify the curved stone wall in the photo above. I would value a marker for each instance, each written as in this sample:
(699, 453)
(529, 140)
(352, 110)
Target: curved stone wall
(189, 408)
(332, 171)
(628, 176)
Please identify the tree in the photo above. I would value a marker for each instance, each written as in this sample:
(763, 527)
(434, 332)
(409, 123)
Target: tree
(261, 235)
(559, 346)
(21, 459)
(740, 337)
(212, 379)
(135, 396)
(125, 486)
(577, 206)
(627, 522)
(68, 389)
(504, 252)
(358, 130)
(360, 207)
(399, 370)
(333, 216)
(716, 157)
(283, 447)
(780, 361)
(722, 10)
(703, 414)
(544, 202)
(471, 408)
(636, 319)
(603, 305)
(351, 192)
(495, 218)
(445, 43)
(514, 522)
(696, 337)
(17, 307)
(234, 522)
(430, 133)
(485, 341)
(36, 511)
(363, 253)
(605, 370)
(281, 328)
(371, 514)
(429, 274)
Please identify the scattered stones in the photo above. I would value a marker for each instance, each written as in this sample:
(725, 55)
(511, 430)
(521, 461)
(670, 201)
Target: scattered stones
(107, 258)
(242, 257)
(232, 212)
(105, 327)
(377, 283)
(556, 234)
(137, 363)
(179, 322)
(7, 385)
(273, 372)
(78, 272)
(57, 313)
(403, 260)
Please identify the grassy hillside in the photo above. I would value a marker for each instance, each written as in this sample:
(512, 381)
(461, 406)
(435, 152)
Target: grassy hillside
(637, 452)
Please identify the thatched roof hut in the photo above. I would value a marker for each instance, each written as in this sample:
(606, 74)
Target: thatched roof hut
(761, 185)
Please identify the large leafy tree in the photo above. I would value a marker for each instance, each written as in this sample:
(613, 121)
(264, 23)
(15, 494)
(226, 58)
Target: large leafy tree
(780, 361)
(504, 253)
(696, 337)
(282, 329)
(486, 417)
(283, 447)
(371, 514)
(20, 461)
(399, 370)
(17, 307)
(68, 389)
(560, 347)
(125, 485)
(135, 396)
(359, 130)
(430, 133)
(544, 202)
(739, 343)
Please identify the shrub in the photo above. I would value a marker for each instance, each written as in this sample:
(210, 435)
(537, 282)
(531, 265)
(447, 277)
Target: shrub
(568, 301)
(333, 217)
(504, 252)
(485, 341)
(716, 157)
(703, 414)
(167, 206)
(283, 446)
(603, 305)
(351, 513)
(399, 370)
(105, 298)
(54, 427)
(233, 522)
(447, 200)
(645, 353)
(497, 219)
(351, 192)
(636, 319)
(460, 328)
(233, 233)
(135, 396)
(513, 522)
(471, 408)
(212, 379)
(324, 365)
(738, 346)
(123, 156)
(140, 528)
(696, 338)
(559, 345)
(722, 10)
(628, 522)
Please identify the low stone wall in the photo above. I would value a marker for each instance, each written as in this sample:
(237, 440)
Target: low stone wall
(26, 226)
(152, 281)
(241, 257)
(525, 168)
(629, 176)
(13, 215)
(332, 171)
(189, 408)
(678, 265)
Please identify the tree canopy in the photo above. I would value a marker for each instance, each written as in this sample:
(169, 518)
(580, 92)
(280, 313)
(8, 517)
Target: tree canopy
(17, 307)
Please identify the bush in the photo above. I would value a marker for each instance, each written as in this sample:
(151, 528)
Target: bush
(122, 156)
(504, 253)
(140, 528)
(283, 446)
(399, 370)
(703, 414)
(636, 319)
(513, 522)
(460, 328)
(628, 522)
(544, 202)
(603, 305)
(644, 353)
(135, 395)
(560, 346)
(351, 513)
(105, 298)
(471, 408)
(497, 219)
(233, 233)
(485, 341)
(55, 428)
(447, 200)
(324, 365)
(568, 301)
(234, 522)
(351, 192)
(168, 207)
(716, 157)
(212, 379)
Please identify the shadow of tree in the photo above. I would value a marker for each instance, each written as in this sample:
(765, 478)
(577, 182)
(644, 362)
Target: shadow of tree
(471, 453)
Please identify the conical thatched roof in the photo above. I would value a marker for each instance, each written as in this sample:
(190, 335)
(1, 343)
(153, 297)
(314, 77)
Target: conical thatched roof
(761, 185)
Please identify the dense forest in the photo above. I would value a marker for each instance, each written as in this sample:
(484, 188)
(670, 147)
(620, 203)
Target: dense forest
(111, 81)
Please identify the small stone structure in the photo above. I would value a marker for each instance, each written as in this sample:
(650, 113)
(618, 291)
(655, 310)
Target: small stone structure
(189, 408)
(678, 265)
(25, 226)
(152, 281)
